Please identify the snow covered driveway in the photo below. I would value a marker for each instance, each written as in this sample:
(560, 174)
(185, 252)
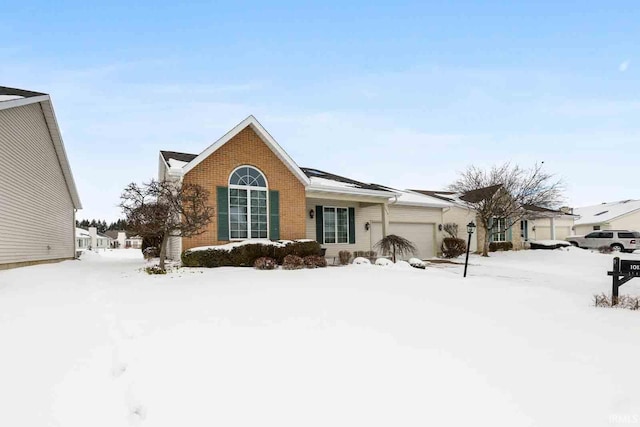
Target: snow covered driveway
(97, 342)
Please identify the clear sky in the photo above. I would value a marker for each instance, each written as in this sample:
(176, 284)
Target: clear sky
(404, 94)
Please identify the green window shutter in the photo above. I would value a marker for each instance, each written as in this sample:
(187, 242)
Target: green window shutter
(274, 214)
(509, 233)
(352, 225)
(222, 195)
(490, 230)
(319, 225)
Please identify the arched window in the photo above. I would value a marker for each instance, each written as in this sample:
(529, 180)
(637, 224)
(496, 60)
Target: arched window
(248, 216)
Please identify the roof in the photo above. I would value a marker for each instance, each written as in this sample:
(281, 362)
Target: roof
(605, 212)
(448, 196)
(543, 210)
(480, 194)
(182, 157)
(12, 98)
(322, 181)
(263, 134)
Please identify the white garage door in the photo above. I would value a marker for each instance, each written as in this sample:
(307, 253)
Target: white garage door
(544, 233)
(421, 235)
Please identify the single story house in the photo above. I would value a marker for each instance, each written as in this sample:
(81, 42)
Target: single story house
(622, 215)
(124, 240)
(537, 223)
(36, 183)
(257, 191)
(83, 239)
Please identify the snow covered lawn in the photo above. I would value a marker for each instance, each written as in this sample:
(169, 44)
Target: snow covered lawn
(97, 342)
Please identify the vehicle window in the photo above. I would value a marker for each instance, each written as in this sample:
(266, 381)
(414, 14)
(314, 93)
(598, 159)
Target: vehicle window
(592, 235)
(624, 235)
(636, 234)
(596, 227)
(606, 235)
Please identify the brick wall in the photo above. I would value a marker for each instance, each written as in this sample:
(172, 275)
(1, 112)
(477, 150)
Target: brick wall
(247, 148)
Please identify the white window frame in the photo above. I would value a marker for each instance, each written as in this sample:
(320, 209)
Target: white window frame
(324, 219)
(248, 188)
(497, 231)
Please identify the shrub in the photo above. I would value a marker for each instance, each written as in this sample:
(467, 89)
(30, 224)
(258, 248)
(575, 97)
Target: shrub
(155, 269)
(452, 247)
(384, 262)
(365, 254)
(265, 263)
(500, 246)
(451, 228)
(361, 261)
(314, 261)
(605, 249)
(150, 252)
(417, 263)
(292, 262)
(395, 245)
(344, 257)
(624, 301)
(246, 255)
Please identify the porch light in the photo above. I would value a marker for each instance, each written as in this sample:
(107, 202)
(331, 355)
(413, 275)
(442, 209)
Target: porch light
(367, 226)
(311, 213)
(471, 227)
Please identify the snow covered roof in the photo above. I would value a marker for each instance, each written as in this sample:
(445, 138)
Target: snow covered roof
(82, 233)
(605, 212)
(411, 198)
(10, 97)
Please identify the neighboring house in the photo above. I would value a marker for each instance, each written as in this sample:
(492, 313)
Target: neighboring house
(259, 192)
(622, 215)
(546, 224)
(537, 224)
(38, 196)
(124, 240)
(99, 240)
(83, 239)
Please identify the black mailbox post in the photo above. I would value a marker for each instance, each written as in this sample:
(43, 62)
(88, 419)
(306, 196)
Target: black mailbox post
(623, 271)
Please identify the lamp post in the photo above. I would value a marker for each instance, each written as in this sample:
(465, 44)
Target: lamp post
(471, 227)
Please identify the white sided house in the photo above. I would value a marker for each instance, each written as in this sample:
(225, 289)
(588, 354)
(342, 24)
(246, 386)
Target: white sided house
(622, 215)
(259, 192)
(38, 196)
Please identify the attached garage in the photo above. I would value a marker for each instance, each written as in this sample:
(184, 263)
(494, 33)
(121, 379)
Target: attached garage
(544, 233)
(422, 235)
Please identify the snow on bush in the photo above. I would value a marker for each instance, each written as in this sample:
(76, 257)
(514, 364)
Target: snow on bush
(292, 262)
(402, 265)
(361, 261)
(315, 261)
(417, 263)
(265, 263)
(384, 262)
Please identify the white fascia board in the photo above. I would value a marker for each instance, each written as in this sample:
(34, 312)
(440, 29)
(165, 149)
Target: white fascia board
(264, 135)
(351, 191)
(23, 101)
(58, 144)
(425, 205)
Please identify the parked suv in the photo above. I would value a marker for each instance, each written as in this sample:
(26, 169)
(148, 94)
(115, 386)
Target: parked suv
(617, 240)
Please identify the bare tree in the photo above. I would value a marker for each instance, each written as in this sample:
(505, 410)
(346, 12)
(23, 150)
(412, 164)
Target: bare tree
(165, 208)
(504, 192)
(395, 245)
(451, 228)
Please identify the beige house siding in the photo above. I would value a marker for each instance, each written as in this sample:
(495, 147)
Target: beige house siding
(36, 209)
(630, 221)
(372, 213)
(543, 228)
(462, 216)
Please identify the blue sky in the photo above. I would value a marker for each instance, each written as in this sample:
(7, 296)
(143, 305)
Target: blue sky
(405, 94)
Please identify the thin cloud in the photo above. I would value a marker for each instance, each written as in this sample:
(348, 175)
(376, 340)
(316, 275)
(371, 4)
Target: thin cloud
(624, 65)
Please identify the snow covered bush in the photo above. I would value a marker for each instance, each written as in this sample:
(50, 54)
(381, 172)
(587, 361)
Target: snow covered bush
(402, 265)
(344, 257)
(453, 247)
(361, 261)
(624, 301)
(500, 246)
(395, 245)
(265, 263)
(605, 249)
(417, 263)
(315, 261)
(245, 254)
(293, 262)
(384, 262)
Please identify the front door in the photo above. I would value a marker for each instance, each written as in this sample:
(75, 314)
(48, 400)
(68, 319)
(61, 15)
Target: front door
(524, 230)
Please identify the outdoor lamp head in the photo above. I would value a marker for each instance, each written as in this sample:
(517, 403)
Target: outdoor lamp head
(471, 227)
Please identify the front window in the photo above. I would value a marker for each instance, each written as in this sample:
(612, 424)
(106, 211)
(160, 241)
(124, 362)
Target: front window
(248, 204)
(336, 225)
(499, 229)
